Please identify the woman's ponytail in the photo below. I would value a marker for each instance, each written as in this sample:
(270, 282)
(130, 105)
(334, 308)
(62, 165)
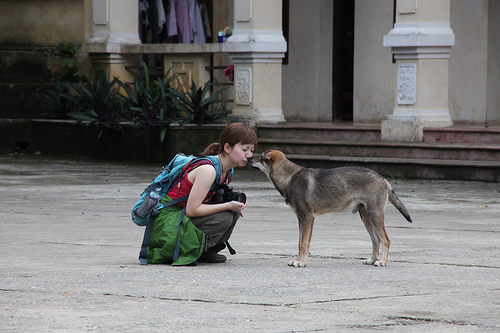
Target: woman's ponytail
(214, 149)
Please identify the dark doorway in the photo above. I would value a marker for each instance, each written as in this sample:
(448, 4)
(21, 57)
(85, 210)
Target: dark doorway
(343, 59)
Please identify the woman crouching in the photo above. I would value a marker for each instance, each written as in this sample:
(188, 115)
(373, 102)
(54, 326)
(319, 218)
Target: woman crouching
(207, 226)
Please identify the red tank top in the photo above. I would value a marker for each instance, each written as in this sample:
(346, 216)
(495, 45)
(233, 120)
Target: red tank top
(182, 186)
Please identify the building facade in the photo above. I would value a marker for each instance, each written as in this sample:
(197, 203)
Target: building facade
(404, 64)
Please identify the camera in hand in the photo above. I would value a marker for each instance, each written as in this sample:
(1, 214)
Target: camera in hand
(225, 193)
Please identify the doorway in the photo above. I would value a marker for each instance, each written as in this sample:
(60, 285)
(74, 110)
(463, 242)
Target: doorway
(343, 60)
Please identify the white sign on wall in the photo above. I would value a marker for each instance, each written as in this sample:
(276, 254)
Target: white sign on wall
(407, 79)
(243, 85)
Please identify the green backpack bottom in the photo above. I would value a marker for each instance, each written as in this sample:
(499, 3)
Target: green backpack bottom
(163, 239)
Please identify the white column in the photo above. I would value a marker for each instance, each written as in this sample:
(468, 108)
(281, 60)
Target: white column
(421, 42)
(257, 48)
(115, 23)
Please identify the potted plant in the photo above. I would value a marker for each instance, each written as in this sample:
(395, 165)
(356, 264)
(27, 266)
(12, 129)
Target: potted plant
(196, 107)
(146, 121)
(58, 101)
(151, 108)
(99, 105)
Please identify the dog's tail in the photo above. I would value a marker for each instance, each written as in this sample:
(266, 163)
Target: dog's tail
(393, 198)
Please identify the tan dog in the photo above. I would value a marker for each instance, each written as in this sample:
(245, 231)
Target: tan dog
(312, 192)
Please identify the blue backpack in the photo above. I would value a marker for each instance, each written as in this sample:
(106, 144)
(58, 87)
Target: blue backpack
(148, 206)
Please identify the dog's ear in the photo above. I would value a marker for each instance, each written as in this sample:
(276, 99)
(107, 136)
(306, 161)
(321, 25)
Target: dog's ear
(270, 156)
(267, 155)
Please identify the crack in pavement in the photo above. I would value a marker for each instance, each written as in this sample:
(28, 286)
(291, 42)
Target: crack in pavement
(405, 320)
(200, 300)
(290, 305)
(442, 229)
(400, 320)
(447, 264)
(84, 244)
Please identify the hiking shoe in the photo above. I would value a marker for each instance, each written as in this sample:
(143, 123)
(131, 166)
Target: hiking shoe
(212, 257)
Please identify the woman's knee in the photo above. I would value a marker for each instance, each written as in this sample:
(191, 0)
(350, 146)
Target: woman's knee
(227, 219)
(219, 221)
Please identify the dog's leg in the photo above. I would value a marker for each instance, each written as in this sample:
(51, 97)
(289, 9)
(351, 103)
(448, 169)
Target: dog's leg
(363, 213)
(374, 224)
(386, 242)
(305, 233)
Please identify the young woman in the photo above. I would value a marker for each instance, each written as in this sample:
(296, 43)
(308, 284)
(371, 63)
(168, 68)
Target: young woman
(206, 226)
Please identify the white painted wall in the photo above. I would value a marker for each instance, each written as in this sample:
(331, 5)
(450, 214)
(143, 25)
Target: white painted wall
(493, 92)
(374, 72)
(474, 66)
(307, 79)
(468, 69)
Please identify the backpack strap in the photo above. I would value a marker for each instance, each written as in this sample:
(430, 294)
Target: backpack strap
(217, 165)
(178, 246)
(143, 254)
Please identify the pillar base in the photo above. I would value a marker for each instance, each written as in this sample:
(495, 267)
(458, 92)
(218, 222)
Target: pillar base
(433, 117)
(401, 131)
(110, 65)
(254, 117)
(407, 125)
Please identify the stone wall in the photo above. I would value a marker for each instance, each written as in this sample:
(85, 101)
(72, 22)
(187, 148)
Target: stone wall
(30, 31)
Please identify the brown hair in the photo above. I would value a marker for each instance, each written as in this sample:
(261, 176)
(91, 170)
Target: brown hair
(232, 134)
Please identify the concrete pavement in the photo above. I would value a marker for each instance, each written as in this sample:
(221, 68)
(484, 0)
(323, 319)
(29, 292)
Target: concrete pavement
(69, 260)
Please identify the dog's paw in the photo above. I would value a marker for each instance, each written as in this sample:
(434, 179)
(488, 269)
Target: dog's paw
(379, 263)
(296, 263)
(369, 261)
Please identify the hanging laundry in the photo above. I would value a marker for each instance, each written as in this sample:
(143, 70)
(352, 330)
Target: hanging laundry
(174, 21)
(161, 15)
(206, 22)
(143, 13)
(196, 23)
(178, 21)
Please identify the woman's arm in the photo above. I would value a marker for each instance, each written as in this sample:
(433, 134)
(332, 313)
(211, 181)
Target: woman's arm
(202, 178)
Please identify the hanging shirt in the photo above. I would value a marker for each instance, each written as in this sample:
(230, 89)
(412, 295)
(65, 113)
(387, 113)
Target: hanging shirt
(178, 22)
(161, 15)
(196, 23)
(143, 12)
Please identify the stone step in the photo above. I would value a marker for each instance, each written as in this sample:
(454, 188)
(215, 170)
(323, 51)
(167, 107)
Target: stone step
(321, 131)
(463, 134)
(371, 132)
(379, 149)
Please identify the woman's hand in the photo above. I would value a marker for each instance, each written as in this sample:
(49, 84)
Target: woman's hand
(236, 206)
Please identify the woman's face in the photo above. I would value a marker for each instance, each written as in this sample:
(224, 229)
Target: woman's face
(240, 153)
